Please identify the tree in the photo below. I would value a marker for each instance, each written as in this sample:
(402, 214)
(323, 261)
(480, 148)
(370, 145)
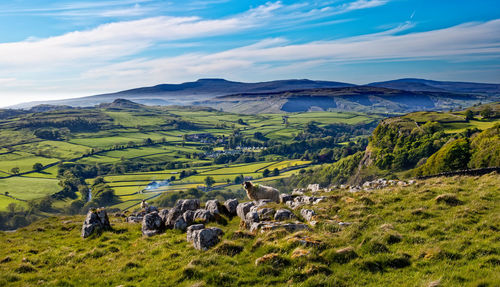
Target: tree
(469, 115)
(487, 112)
(38, 166)
(266, 172)
(209, 181)
(276, 172)
(15, 170)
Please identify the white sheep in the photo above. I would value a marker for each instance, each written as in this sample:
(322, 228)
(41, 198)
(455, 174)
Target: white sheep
(257, 192)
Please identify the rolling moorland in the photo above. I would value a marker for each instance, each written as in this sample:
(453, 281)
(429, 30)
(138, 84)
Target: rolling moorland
(62, 160)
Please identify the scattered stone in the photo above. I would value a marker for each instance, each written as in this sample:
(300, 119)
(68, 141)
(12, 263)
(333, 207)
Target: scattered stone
(231, 205)
(203, 239)
(344, 223)
(298, 192)
(283, 214)
(313, 187)
(150, 209)
(163, 214)
(387, 226)
(244, 208)
(180, 224)
(134, 219)
(213, 206)
(191, 229)
(152, 224)
(203, 215)
(266, 213)
(251, 218)
(284, 198)
(96, 221)
(188, 204)
(307, 214)
(188, 217)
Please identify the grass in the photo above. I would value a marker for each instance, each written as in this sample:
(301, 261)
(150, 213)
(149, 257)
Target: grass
(460, 127)
(398, 236)
(23, 160)
(29, 188)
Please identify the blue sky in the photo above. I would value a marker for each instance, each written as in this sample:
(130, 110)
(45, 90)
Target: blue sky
(61, 49)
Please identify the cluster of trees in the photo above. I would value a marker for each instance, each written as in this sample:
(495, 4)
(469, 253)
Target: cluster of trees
(396, 146)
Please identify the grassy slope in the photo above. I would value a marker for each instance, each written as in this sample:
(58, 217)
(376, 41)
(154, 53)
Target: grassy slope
(456, 244)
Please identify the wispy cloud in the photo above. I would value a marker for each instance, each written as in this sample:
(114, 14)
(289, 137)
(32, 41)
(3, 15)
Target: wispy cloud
(467, 40)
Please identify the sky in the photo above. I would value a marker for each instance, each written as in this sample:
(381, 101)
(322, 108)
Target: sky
(61, 49)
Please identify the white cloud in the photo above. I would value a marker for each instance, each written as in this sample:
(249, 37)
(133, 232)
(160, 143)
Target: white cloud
(472, 40)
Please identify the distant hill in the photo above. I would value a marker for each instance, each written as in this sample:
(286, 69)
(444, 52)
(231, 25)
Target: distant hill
(359, 99)
(186, 93)
(398, 96)
(440, 86)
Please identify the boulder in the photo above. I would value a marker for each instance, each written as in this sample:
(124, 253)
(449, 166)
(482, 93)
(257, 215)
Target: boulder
(266, 213)
(213, 206)
(188, 217)
(96, 221)
(307, 214)
(203, 215)
(190, 229)
(151, 208)
(251, 218)
(283, 214)
(284, 198)
(181, 206)
(163, 214)
(134, 219)
(152, 224)
(243, 209)
(230, 206)
(180, 224)
(203, 239)
(188, 204)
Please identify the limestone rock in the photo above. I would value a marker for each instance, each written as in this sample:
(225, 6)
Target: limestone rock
(231, 205)
(307, 214)
(285, 198)
(283, 214)
(190, 229)
(188, 217)
(163, 214)
(243, 209)
(203, 215)
(213, 206)
(266, 213)
(180, 224)
(96, 221)
(203, 239)
(251, 218)
(152, 224)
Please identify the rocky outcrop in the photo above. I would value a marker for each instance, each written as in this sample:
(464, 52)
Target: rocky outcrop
(265, 226)
(152, 224)
(285, 197)
(203, 238)
(96, 221)
(174, 218)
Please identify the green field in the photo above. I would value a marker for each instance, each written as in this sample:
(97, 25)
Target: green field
(28, 188)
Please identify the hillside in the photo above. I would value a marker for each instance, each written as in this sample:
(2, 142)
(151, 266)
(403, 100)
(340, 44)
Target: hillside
(186, 93)
(440, 86)
(419, 144)
(439, 232)
(359, 99)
